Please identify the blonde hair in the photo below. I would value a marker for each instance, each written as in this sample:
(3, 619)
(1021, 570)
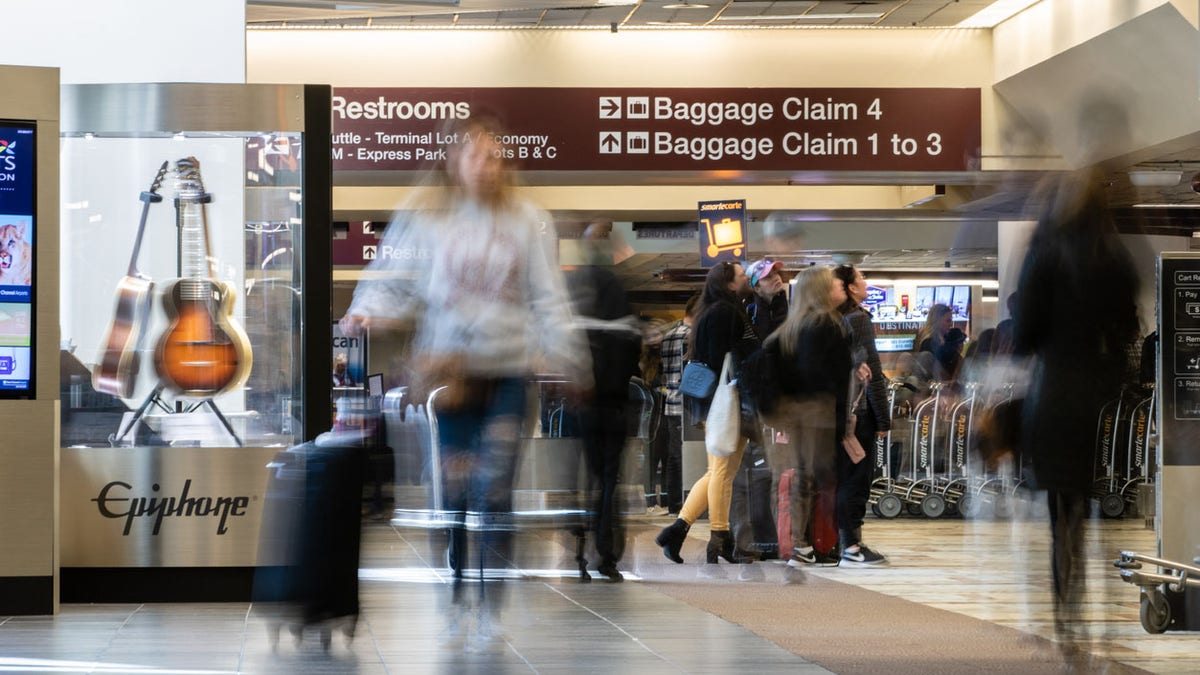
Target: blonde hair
(929, 330)
(812, 302)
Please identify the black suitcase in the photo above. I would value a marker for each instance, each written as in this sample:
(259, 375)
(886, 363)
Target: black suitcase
(308, 556)
(752, 485)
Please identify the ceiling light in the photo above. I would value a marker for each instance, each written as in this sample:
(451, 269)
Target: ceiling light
(1182, 205)
(669, 23)
(996, 13)
(685, 5)
(1154, 178)
(802, 17)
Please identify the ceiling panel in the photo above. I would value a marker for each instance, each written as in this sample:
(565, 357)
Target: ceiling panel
(515, 13)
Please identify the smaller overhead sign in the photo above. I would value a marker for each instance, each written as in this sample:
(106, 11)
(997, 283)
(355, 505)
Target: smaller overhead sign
(875, 295)
(722, 231)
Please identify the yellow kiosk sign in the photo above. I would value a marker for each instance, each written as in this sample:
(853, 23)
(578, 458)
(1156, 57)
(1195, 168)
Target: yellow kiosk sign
(722, 231)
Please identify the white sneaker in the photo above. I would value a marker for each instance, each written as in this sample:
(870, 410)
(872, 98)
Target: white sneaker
(657, 511)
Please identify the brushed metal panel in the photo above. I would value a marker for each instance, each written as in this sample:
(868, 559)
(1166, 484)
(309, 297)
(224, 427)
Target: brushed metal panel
(144, 109)
(27, 488)
(1178, 526)
(225, 487)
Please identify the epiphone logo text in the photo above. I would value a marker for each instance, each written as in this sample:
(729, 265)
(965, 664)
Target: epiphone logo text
(114, 501)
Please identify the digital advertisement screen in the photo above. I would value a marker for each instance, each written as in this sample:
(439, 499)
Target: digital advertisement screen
(18, 224)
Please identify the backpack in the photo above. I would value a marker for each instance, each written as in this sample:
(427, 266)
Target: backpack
(758, 377)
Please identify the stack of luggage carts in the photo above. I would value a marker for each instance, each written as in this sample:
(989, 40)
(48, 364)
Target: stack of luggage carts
(930, 464)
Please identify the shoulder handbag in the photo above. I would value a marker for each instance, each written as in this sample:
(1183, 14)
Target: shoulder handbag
(850, 442)
(722, 429)
(698, 380)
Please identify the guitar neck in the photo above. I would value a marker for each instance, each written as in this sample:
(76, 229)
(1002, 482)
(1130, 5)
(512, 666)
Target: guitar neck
(148, 197)
(194, 267)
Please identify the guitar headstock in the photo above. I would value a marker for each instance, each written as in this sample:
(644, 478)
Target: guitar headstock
(189, 183)
(159, 178)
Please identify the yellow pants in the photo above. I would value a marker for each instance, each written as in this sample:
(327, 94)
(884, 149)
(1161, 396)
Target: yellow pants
(713, 491)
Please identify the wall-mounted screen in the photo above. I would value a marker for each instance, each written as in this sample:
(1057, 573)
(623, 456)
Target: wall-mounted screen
(18, 219)
(897, 323)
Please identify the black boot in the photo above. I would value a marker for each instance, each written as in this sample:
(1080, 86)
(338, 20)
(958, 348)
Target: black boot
(671, 539)
(720, 544)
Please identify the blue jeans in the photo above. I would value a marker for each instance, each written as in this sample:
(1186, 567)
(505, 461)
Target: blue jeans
(478, 445)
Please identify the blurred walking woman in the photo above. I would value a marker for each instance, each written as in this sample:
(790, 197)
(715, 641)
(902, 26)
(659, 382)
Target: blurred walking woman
(815, 367)
(721, 327)
(475, 281)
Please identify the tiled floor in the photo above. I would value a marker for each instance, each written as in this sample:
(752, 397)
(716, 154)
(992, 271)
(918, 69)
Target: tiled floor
(991, 570)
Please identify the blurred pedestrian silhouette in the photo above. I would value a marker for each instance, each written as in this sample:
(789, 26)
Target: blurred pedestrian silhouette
(615, 341)
(474, 275)
(1076, 312)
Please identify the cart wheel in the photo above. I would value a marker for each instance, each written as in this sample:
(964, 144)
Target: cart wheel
(968, 505)
(1154, 620)
(933, 506)
(889, 506)
(1112, 505)
(914, 509)
(876, 511)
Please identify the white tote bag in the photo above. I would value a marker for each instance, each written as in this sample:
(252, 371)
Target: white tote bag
(722, 428)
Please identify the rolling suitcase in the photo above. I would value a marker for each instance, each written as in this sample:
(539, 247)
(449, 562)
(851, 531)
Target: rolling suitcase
(752, 491)
(783, 518)
(309, 543)
(822, 526)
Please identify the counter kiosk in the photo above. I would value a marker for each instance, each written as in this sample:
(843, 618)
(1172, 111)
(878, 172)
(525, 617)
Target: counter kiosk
(195, 327)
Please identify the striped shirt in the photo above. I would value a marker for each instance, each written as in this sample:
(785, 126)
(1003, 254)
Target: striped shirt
(674, 344)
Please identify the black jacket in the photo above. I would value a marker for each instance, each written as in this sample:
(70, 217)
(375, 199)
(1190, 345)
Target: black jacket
(862, 338)
(821, 364)
(767, 316)
(616, 345)
(723, 328)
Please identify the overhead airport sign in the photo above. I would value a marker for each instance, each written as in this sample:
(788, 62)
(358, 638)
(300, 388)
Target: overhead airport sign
(639, 129)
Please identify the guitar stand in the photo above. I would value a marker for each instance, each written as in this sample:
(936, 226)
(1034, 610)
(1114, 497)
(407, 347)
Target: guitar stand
(155, 398)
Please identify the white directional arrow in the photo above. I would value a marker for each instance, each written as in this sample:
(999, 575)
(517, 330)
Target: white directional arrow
(610, 107)
(369, 252)
(610, 142)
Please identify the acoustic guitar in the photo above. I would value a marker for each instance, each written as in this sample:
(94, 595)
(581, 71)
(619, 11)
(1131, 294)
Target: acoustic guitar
(203, 352)
(120, 360)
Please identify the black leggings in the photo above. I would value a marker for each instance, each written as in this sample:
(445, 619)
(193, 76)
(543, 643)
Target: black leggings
(854, 482)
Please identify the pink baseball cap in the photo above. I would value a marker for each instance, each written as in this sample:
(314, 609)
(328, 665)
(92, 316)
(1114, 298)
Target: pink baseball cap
(762, 268)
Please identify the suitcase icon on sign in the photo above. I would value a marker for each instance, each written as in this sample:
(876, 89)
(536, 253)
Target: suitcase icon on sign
(724, 236)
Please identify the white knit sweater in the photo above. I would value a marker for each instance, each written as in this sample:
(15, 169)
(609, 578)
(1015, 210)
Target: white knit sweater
(481, 282)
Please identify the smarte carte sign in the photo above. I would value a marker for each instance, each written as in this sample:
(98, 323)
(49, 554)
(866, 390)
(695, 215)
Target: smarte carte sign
(640, 129)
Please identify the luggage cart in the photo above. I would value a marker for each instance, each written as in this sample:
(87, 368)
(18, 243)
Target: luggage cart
(921, 495)
(1106, 485)
(1162, 591)
(1138, 473)
(884, 499)
(960, 484)
(1000, 487)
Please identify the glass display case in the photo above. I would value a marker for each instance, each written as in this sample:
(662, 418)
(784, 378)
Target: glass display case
(195, 330)
(182, 286)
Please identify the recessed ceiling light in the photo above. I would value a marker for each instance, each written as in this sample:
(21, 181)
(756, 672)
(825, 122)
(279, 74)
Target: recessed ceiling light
(685, 5)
